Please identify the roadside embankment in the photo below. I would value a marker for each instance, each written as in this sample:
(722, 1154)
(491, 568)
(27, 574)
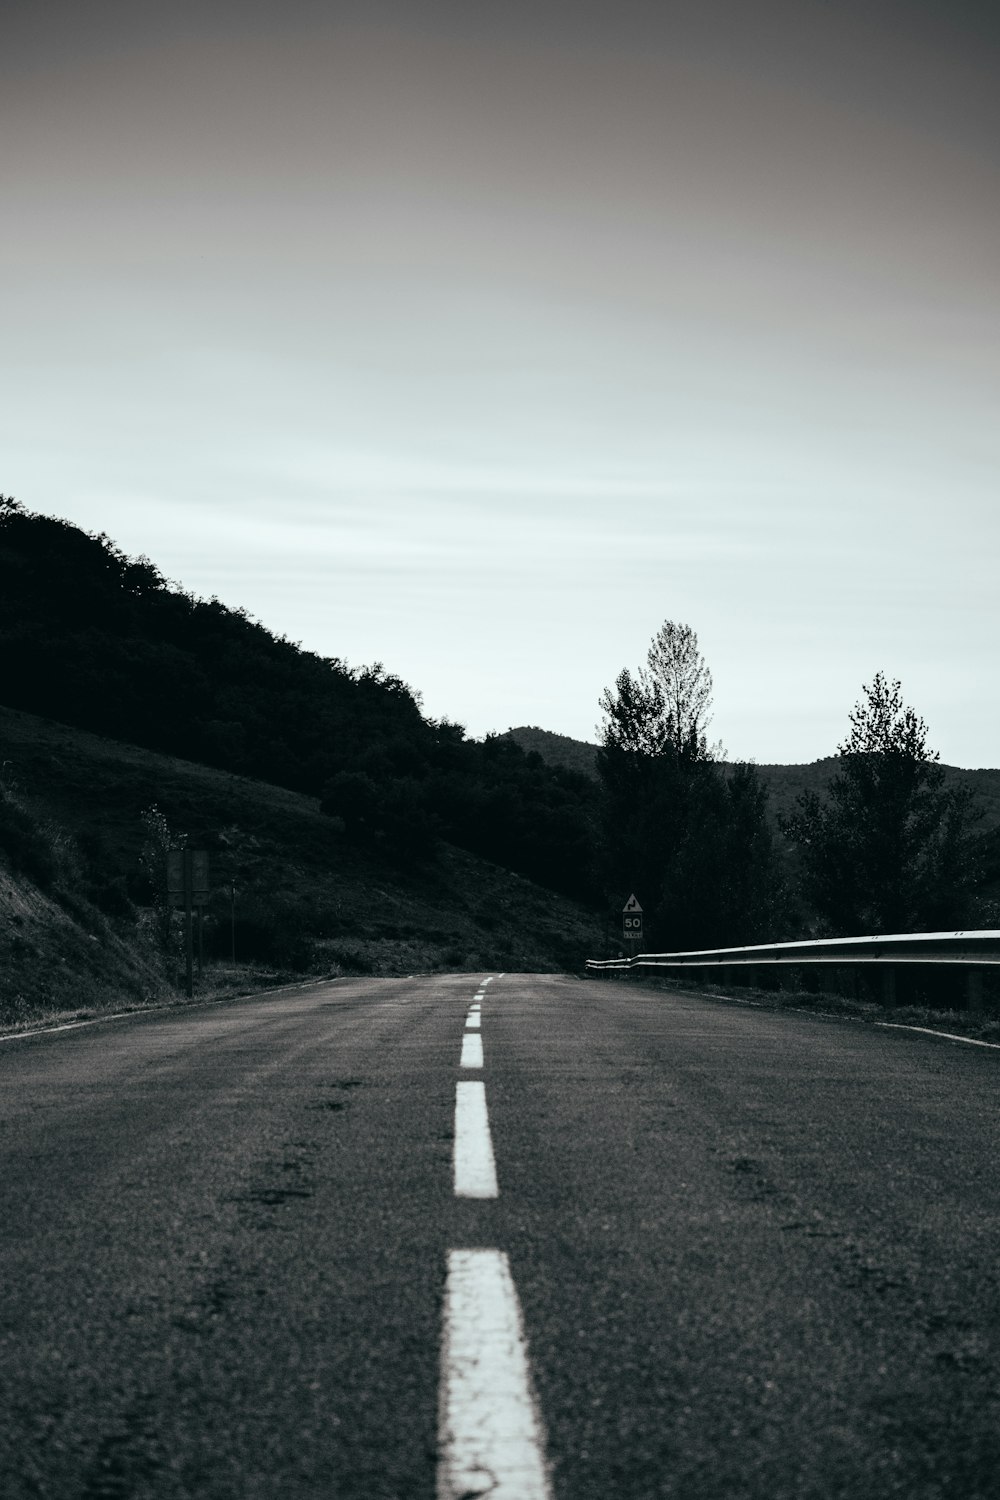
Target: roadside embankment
(981, 1024)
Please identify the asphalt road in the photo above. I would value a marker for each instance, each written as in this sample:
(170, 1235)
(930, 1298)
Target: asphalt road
(756, 1254)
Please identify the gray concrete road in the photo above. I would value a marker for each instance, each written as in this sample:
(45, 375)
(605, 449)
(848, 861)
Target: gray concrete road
(756, 1255)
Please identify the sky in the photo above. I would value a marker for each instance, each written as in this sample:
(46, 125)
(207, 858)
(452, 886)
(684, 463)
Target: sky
(479, 339)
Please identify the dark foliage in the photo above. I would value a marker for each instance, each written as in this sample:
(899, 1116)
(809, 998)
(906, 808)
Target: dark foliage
(691, 839)
(25, 843)
(890, 848)
(102, 641)
(96, 639)
(688, 834)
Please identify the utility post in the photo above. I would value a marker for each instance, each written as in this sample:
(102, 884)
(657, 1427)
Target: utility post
(188, 925)
(187, 886)
(888, 985)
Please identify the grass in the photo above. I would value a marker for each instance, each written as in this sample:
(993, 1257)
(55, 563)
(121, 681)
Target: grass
(980, 1024)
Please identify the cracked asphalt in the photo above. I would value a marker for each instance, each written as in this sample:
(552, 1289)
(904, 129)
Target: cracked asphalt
(756, 1254)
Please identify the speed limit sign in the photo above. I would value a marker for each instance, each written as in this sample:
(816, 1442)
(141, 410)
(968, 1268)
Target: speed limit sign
(632, 919)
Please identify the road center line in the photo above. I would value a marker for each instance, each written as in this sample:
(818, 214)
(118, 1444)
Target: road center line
(490, 1436)
(475, 1170)
(473, 1021)
(472, 1051)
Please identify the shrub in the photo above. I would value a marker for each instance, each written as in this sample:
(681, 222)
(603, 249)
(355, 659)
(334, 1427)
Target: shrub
(27, 843)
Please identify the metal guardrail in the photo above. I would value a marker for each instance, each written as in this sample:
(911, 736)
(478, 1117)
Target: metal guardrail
(977, 947)
(968, 951)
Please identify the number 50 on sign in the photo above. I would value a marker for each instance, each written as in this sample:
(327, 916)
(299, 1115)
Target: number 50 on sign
(632, 919)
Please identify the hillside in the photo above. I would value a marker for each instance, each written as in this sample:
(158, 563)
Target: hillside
(92, 638)
(358, 836)
(784, 783)
(74, 904)
(558, 749)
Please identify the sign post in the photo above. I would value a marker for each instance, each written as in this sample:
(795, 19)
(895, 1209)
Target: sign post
(632, 923)
(187, 886)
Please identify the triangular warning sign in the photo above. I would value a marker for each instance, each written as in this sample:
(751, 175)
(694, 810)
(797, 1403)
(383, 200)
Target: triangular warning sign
(631, 905)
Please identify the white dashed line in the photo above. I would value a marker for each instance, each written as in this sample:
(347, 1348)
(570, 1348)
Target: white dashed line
(475, 1167)
(473, 1021)
(472, 1051)
(490, 1438)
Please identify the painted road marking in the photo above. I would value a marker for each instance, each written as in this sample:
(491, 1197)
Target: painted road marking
(490, 1436)
(949, 1036)
(474, 1164)
(472, 1051)
(473, 1021)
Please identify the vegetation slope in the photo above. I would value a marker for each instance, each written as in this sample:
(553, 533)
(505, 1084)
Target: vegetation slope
(97, 640)
(785, 784)
(79, 921)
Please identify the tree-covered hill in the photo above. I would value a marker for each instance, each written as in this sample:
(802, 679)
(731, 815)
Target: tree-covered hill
(785, 783)
(557, 749)
(96, 639)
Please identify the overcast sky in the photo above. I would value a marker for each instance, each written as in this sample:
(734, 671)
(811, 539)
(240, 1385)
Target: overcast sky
(480, 339)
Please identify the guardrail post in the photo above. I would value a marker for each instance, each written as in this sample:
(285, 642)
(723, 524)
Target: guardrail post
(888, 985)
(974, 989)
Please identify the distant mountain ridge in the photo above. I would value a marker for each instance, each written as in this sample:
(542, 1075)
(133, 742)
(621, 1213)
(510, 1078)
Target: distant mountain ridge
(557, 749)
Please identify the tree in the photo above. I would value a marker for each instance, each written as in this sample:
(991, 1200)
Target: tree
(890, 849)
(688, 834)
(666, 705)
(677, 667)
(635, 716)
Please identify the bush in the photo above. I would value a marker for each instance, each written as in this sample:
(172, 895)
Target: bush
(110, 895)
(267, 931)
(27, 843)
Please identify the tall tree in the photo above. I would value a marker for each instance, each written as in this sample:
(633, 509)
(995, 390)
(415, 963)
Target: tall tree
(666, 705)
(686, 833)
(890, 848)
(678, 669)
